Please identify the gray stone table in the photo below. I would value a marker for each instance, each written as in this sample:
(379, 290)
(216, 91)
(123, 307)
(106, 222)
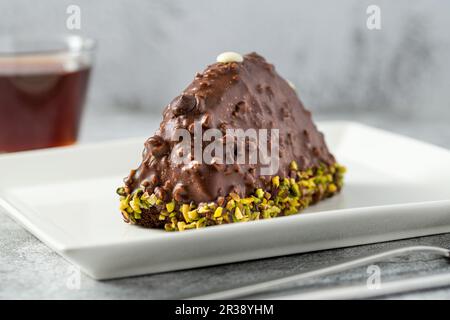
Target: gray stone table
(30, 270)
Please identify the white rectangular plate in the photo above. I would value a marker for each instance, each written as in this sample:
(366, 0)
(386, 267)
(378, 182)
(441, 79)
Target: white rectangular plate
(395, 188)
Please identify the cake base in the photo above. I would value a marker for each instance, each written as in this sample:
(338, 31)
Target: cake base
(281, 197)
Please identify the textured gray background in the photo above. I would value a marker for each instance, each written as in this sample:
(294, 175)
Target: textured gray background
(150, 50)
(397, 78)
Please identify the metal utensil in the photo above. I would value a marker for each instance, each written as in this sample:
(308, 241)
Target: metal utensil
(364, 292)
(271, 284)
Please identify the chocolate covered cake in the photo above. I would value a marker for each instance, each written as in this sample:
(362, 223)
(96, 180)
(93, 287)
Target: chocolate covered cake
(175, 188)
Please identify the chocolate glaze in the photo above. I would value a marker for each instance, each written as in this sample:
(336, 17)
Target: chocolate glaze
(242, 95)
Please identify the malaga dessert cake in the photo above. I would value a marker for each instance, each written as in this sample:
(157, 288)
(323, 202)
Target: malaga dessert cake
(174, 188)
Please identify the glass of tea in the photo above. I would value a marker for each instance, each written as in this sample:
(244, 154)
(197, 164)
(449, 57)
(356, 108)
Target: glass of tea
(43, 84)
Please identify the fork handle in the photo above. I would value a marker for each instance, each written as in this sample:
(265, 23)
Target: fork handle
(267, 285)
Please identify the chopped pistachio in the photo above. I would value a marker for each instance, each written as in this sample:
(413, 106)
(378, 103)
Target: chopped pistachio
(145, 205)
(212, 205)
(121, 191)
(259, 193)
(272, 211)
(193, 214)
(342, 169)
(168, 227)
(230, 205)
(296, 189)
(191, 225)
(235, 196)
(204, 209)
(135, 204)
(246, 201)
(185, 208)
(173, 214)
(152, 199)
(294, 165)
(170, 206)
(124, 203)
(284, 193)
(289, 211)
(256, 200)
(145, 196)
(218, 212)
(276, 181)
(332, 188)
(131, 217)
(165, 213)
(200, 223)
(238, 213)
(125, 215)
(181, 225)
(184, 211)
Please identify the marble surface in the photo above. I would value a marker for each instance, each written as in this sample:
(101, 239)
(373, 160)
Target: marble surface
(30, 270)
(324, 47)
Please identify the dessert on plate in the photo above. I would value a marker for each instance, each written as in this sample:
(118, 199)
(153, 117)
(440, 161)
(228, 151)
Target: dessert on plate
(197, 171)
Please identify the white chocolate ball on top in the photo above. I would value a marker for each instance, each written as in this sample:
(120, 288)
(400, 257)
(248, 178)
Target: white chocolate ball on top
(229, 57)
